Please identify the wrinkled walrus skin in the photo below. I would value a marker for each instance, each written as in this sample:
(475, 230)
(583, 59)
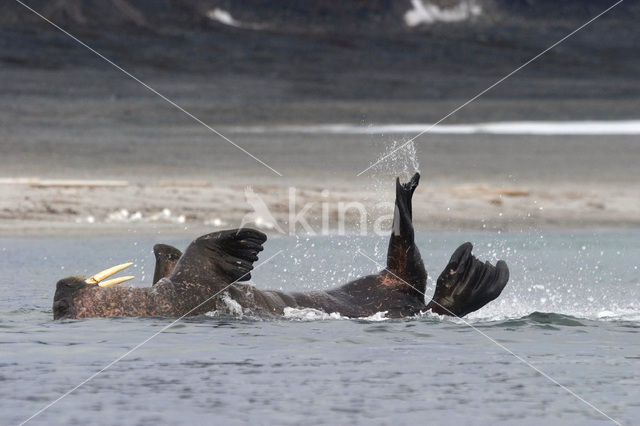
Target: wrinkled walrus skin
(217, 263)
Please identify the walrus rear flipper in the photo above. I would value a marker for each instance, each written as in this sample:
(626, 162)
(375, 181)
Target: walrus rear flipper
(467, 284)
(219, 258)
(166, 258)
(403, 257)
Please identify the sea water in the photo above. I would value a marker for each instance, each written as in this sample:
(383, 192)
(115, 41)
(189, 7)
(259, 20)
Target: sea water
(568, 321)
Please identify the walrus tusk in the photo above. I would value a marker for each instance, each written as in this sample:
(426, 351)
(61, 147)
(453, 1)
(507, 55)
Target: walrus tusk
(114, 281)
(95, 279)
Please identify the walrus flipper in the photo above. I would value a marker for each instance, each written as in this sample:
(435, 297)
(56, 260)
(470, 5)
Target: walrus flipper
(219, 258)
(467, 284)
(403, 256)
(166, 259)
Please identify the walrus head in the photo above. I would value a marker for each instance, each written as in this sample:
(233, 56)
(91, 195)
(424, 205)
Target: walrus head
(71, 289)
(183, 283)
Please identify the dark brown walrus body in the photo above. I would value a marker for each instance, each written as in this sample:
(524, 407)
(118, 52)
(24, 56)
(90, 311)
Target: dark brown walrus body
(214, 264)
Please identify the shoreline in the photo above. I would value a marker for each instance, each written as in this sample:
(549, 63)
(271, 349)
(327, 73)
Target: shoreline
(33, 207)
(73, 155)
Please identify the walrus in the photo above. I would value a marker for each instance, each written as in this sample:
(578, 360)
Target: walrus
(214, 267)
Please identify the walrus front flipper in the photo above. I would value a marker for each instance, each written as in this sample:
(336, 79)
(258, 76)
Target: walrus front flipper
(467, 284)
(219, 258)
(403, 257)
(166, 259)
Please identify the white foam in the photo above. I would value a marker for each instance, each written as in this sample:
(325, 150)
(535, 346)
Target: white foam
(620, 127)
(232, 306)
(519, 306)
(619, 314)
(311, 314)
(378, 316)
(425, 12)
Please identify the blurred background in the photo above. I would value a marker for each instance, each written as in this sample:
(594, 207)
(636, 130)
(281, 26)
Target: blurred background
(278, 77)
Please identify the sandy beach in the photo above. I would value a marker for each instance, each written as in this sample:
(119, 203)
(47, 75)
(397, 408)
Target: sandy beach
(181, 208)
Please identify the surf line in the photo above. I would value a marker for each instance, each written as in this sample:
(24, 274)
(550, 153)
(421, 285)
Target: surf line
(516, 128)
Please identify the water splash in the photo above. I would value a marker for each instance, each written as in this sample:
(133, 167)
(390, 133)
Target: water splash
(310, 314)
(399, 159)
(563, 273)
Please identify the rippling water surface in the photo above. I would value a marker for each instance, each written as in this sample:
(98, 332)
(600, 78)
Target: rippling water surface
(571, 309)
